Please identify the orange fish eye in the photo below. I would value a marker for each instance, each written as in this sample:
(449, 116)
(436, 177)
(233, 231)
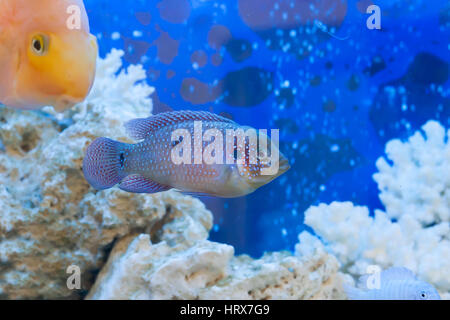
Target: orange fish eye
(39, 44)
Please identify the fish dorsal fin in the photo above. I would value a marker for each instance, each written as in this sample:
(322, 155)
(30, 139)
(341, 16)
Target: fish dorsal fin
(138, 184)
(138, 129)
(397, 273)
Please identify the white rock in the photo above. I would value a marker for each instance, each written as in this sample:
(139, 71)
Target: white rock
(138, 269)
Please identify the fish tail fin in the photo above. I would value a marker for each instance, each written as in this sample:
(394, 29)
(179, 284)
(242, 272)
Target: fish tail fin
(103, 163)
(352, 292)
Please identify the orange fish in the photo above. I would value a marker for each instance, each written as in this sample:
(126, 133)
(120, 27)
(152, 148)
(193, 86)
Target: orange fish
(47, 55)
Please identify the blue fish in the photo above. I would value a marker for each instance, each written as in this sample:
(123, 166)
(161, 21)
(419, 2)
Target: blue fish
(396, 283)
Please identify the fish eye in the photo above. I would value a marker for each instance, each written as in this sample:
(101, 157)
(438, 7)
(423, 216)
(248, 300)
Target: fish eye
(39, 44)
(423, 295)
(177, 142)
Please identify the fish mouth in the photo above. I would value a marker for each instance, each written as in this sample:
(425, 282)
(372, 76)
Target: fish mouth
(283, 165)
(66, 102)
(262, 179)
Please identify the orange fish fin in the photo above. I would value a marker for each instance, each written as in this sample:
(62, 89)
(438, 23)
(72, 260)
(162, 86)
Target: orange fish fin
(140, 128)
(138, 184)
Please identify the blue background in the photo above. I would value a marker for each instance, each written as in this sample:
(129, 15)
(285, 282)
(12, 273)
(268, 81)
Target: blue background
(336, 99)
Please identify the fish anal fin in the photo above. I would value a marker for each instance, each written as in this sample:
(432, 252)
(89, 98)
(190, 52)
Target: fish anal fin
(139, 184)
(140, 128)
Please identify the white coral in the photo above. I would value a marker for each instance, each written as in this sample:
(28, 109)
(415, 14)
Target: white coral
(123, 99)
(418, 181)
(359, 240)
(416, 192)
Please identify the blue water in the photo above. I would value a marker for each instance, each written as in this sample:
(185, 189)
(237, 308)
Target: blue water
(336, 99)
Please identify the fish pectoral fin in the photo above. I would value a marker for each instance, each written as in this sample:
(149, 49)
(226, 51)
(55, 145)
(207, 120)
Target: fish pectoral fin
(139, 184)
